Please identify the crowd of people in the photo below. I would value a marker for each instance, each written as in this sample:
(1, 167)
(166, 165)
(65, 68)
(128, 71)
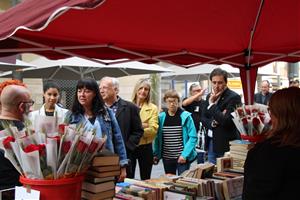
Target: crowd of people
(138, 131)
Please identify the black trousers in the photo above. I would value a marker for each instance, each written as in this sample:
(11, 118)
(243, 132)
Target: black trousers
(144, 155)
(172, 165)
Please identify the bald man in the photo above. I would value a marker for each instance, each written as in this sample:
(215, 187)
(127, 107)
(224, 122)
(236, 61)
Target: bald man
(16, 103)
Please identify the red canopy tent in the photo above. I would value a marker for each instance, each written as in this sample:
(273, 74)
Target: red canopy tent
(246, 34)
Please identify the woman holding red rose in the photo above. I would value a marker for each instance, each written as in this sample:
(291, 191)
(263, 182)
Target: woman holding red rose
(271, 167)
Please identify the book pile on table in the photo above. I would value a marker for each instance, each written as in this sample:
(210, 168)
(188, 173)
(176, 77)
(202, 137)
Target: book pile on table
(202, 182)
(200, 171)
(198, 183)
(232, 183)
(132, 189)
(238, 151)
(100, 179)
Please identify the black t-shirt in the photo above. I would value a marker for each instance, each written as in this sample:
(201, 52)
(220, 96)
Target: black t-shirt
(196, 109)
(49, 113)
(9, 176)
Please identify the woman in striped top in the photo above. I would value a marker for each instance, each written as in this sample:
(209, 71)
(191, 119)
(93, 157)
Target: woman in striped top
(176, 138)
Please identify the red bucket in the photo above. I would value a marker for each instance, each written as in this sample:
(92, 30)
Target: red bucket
(59, 189)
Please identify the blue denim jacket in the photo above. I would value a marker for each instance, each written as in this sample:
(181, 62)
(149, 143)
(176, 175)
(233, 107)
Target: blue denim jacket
(109, 126)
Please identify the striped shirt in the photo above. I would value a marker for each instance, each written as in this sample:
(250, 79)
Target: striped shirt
(172, 137)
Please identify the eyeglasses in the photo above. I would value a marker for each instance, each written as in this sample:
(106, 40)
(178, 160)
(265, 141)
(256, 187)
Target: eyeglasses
(174, 102)
(30, 102)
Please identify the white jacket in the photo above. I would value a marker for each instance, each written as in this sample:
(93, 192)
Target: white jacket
(58, 111)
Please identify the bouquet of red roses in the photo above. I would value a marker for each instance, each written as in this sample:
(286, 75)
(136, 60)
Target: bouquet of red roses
(54, 151)
(252, 120)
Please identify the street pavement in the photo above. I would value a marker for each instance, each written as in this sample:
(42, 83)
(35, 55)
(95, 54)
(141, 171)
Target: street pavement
(157, 170)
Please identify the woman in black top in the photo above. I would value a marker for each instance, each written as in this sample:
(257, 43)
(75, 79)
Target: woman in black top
(271, 167)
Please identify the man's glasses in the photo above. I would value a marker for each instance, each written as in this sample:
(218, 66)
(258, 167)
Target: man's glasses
(30, 102)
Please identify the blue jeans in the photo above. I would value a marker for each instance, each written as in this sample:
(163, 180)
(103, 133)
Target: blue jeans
(171, 166)
(211, 155)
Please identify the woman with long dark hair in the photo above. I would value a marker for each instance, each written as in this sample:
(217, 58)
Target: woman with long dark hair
(271, 167)
(51, 94)
(89, 109)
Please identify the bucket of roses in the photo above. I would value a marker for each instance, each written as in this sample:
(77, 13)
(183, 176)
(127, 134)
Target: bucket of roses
(50, 152)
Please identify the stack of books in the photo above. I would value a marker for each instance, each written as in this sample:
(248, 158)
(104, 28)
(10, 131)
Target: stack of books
(200, 171)
(232, 183)
(238, 151)
(202, 182)
(224, 163)
(100, 179)
(195, 188)
(133, 189)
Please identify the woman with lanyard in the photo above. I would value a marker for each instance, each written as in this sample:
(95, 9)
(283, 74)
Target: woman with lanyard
(89, 109)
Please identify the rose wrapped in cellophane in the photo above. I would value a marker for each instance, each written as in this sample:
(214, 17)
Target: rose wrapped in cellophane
(8, 144)
(79, 152)
(252, 120)
(96, 144)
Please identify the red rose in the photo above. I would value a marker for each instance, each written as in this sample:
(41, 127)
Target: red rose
(255, 122)
(261, 113)
(261, 117)
(248, 111)
(81, 146)
(92, 147)
(245, 121)
(240, 111)
(61, 128)
(42, 149)
(31, 148)
(66, 146)
(6, 142)
(254, 110)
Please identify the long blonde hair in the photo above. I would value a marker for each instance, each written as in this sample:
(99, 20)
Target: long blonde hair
(284, 105)
(138, 85)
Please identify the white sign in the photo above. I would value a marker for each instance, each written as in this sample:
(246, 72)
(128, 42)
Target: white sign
(21, 193)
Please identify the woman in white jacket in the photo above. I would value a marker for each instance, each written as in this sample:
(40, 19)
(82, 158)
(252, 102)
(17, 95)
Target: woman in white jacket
(50, 108)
